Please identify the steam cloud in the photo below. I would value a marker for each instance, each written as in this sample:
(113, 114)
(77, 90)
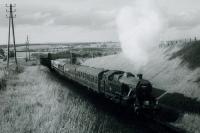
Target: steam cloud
(139, 27)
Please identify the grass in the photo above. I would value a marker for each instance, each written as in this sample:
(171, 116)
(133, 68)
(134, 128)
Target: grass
(189, 54)
(24, 103)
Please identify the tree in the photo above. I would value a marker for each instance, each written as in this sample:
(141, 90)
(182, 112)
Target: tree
(2, 53)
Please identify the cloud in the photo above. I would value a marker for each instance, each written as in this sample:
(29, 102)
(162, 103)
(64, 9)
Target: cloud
(184, 20)
(95, 16)
(36, 18)
(88, 18)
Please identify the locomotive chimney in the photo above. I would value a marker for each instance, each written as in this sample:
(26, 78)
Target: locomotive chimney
(139, 76)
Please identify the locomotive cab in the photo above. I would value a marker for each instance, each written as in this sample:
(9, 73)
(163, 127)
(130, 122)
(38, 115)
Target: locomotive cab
(138, 92)
(144, 98)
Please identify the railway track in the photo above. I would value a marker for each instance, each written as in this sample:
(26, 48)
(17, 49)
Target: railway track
(157, 125)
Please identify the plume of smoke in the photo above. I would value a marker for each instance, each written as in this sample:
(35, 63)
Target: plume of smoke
(139, 27)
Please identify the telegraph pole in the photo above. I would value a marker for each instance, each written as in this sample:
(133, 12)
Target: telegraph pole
(27, 49)
(29, 55)
(11, 26)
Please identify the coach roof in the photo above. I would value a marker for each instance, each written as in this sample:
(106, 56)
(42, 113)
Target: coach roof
(90, 70)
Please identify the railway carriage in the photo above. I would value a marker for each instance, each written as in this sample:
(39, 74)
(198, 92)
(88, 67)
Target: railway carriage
(89, 77)
(57, 66)
(70, 71)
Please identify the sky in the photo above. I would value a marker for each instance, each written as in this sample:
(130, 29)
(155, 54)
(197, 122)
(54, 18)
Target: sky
(91, 20)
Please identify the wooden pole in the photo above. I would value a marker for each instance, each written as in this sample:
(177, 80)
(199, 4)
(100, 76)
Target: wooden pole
(13, 31)
(29, 56)
(8, 54)
(26, 49)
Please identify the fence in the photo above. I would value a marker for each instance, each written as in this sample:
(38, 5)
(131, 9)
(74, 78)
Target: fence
(182, 42)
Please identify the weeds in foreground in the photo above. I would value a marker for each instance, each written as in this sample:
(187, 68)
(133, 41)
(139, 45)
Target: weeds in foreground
(3, 78)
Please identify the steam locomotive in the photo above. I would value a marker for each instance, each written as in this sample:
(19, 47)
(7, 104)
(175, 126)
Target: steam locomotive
(119, 86)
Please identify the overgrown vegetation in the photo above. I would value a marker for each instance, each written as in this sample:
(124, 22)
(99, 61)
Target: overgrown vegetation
(2, 53)
(189, 54)
(3, 76)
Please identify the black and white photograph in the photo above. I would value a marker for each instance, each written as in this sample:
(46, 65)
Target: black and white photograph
(99, 66)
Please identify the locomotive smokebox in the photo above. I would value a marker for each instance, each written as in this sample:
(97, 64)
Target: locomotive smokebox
(139, 76)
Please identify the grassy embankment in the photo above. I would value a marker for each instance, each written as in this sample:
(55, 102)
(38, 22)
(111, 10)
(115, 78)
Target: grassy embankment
(190, 55)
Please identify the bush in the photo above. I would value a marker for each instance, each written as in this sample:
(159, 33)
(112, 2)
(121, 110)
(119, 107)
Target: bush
(2, 53)
(2, 78)
(2, 83)
(12, 54)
